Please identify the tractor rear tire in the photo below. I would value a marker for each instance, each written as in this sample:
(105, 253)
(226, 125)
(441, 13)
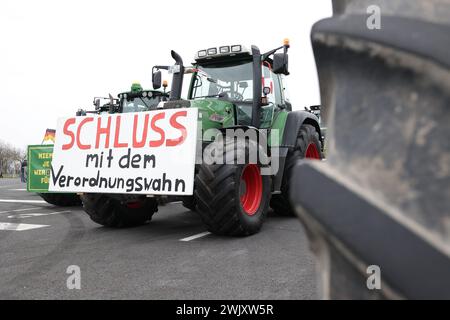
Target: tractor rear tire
(61, 199)
(232, 199)
(308, 145)
(112, 212)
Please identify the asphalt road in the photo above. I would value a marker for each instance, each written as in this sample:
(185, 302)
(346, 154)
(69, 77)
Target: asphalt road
(148, 262)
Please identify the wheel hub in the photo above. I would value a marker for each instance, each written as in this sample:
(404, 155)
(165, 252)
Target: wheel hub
(312, 152)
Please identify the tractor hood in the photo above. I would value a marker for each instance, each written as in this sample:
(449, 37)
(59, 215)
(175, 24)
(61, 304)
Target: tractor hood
(214, 113)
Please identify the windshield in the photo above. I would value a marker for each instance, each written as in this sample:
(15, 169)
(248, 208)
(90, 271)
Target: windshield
(233, 82)
(140, 104)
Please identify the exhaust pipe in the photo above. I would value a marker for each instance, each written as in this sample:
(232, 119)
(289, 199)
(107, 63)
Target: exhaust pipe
(177, 81)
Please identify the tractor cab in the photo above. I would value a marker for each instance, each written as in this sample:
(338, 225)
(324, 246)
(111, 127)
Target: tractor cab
(228, 73)
(138, 100)
(135, 100)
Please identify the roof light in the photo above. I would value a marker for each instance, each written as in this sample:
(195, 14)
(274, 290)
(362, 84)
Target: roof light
(225, 49)
(212, 51)
(136, 87)
(236, 48)
(222, 51)
(286, 42)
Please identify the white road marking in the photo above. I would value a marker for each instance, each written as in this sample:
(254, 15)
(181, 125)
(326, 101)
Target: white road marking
(17, 189)
(22, 201)
(11, 186)
(31, 215)
(20, 226)
(18, 210)
(196, 236)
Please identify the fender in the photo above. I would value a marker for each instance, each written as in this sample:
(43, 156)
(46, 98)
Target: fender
(293, 123)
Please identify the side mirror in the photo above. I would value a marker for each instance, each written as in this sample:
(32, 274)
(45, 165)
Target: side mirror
(280, 63)
(97, 103)
(80, 112)
(243, 85)
(156, 80)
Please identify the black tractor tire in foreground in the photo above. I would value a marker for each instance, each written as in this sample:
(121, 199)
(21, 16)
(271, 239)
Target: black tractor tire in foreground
(112, 212)
(62, 199)
(308, 145)
(232, 199)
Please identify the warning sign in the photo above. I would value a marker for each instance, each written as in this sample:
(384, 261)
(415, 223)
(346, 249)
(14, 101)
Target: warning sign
(137, 153)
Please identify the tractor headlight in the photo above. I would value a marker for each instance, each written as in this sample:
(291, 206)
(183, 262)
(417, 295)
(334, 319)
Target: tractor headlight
(212, 51)
(225, 49)
(236, 48)
(202, 53)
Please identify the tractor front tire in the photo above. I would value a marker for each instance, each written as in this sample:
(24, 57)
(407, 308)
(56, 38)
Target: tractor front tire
(61, 199)
(115, 213)
(232, 199)
(308, 146)
(189, 203)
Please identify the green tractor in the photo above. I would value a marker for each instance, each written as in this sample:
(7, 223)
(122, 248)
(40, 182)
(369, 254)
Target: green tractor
(235, 90)
(135, 100)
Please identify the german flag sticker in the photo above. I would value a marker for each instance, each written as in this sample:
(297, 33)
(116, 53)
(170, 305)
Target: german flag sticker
(49, 135)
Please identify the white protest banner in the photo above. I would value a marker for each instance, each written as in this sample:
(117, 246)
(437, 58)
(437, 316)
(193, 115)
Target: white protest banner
(137, 153)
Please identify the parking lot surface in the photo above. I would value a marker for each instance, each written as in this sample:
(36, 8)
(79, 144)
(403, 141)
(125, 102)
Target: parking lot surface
(172, 257)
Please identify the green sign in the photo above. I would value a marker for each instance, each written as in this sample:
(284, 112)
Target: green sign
(39, 161)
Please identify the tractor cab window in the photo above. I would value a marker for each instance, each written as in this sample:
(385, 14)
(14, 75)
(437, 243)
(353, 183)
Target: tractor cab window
(274, 98)
(186, 85)
(272, 81)
(232, 81)
(140, 104)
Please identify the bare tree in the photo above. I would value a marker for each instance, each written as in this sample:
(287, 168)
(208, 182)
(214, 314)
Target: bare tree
(10, 157)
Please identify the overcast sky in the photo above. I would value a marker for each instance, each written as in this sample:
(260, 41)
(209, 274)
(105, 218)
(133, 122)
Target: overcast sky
(55, 56)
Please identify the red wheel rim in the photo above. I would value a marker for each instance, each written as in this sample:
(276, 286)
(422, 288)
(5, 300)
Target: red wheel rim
(135, 205)
(251, 197)
(312, 152)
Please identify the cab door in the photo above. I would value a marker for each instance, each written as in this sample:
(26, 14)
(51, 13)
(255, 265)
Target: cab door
(272, 85)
